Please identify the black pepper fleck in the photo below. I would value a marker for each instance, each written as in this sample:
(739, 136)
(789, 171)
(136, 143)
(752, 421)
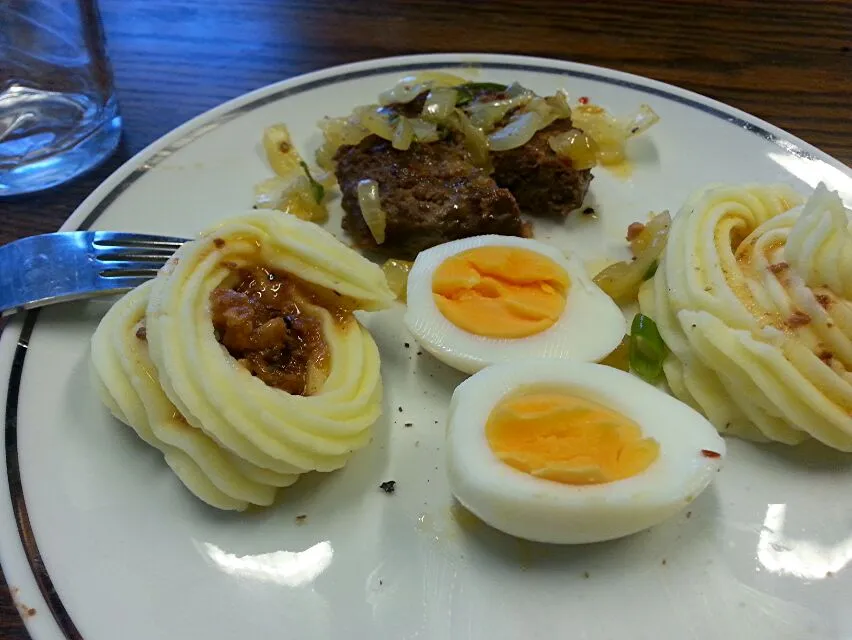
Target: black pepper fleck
(300, 519)
(664, 562)
(586, 574)
(409, 424)
(388, 486)
(589, 211)
(407, 345)
(419, 353)
(400, 409)
(689, 514)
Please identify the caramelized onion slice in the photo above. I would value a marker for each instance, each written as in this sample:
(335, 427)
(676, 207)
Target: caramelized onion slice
(439, 104)
(403, 134)
(337, 132)
(621, 281)
(424, 131)
(518, 132)
(280, 152)
(575, 146)
(411, 86)
(486, 115)
(374, 119)
(371, 209)
(475, 141)
(396, 273)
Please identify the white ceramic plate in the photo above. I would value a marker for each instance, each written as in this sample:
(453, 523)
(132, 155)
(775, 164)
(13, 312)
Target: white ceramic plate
(98, 537)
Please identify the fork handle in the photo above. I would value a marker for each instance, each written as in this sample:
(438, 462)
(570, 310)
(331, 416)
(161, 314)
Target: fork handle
(51, 268)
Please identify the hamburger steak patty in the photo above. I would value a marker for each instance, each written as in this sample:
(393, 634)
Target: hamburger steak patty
(430, 193)
(543, 183)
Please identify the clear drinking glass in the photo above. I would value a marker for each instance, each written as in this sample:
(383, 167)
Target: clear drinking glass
(58, 112)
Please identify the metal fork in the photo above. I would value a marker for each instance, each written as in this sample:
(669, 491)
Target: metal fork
(59, 267)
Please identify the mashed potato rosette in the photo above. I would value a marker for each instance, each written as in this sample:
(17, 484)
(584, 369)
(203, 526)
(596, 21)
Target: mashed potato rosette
(752, 297)
(273, 429)
(128, 384)
(243, 362)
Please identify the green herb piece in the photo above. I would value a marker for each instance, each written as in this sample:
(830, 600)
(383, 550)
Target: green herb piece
(316, 188)
(647, 349)
(467, 92)
(651, 270)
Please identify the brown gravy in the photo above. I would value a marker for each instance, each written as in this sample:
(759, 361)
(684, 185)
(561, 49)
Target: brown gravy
(264, 322)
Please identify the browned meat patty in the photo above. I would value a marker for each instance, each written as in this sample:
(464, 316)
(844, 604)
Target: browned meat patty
(430, 193)
(543, 184)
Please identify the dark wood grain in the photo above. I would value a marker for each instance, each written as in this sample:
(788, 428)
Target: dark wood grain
(789, 63)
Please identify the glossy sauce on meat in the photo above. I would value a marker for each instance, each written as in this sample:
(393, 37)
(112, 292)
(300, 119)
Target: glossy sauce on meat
(264, 322)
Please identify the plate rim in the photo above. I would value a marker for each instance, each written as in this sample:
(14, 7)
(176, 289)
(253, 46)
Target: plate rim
(23, 565)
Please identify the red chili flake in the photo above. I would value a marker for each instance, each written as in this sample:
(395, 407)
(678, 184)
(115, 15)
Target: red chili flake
(710, 454)
(634, 230)
(583, 100)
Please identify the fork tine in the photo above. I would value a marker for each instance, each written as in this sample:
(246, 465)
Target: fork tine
(128, 282)
(129, 269)
(121, 239)
(114, 254)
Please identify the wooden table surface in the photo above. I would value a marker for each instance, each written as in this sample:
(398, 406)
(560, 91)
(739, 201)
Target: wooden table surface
(789, 63)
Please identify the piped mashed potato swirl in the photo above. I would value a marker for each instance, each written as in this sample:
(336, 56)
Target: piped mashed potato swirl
(231, 438)
(753, 297)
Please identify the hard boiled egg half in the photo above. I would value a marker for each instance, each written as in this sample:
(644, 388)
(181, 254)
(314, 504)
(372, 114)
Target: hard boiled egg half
(568, 452)
(490, 299)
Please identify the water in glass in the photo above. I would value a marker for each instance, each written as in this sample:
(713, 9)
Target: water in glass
(58, 112)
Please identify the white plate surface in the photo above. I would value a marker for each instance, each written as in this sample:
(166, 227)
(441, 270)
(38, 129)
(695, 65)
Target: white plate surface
(122, 550)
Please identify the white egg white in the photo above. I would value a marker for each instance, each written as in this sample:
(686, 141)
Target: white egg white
(547, 511)
(590, 327)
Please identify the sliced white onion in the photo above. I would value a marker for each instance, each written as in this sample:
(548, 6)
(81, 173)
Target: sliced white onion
(424, 131)
(293, 195)
(402, 93)
(439, 104)
(375, 120)
(371, 209)
(337, 132)
(560, 103)
(475, 140)
(410, 87)
(517, 133)
(486, 115)
(403, 134)
(643, 120)
(545, 111)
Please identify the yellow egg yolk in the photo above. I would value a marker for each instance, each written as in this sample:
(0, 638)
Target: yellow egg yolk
(500, 292)
(565, 438)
